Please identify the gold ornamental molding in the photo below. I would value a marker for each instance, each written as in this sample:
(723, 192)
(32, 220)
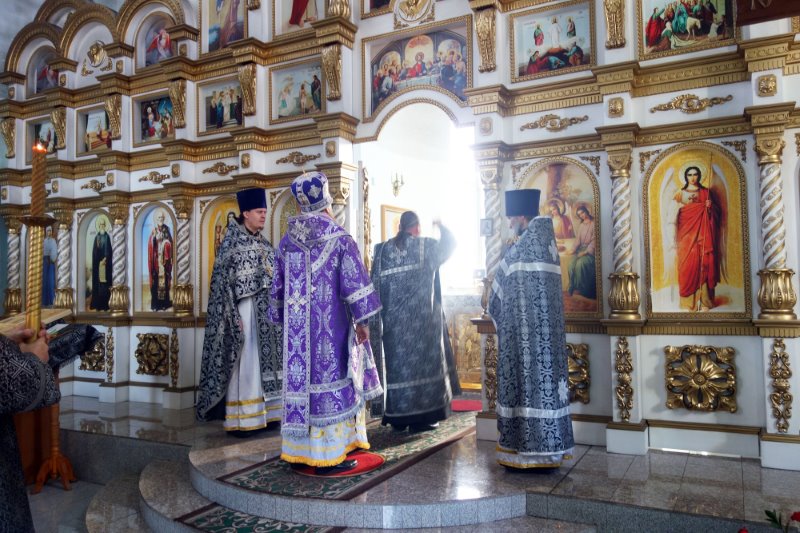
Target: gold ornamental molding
(8, 128)
(553, 123)
(769, 53)
(177, 95)
(247, 81)
(220, 168)
(739, 146)
(174, 350)
(94, 185)
(292, 137)
(695, 426)
(694, 131)
(565, 146)
(94, 360)
(722, 69)
(109, 364)
(561, 95)
(298, 159)
(485, 28)
(578, 368)
(490, 356)
(490, 99)
(616, 107)
(614, 11)
(700, 378)
(767, 85)
(338, 125)
(152, 354)
(191, 151)
(780, 372)
(155, 177)
(593, 160)
(645, 157)
(690, 103)
(623, 365)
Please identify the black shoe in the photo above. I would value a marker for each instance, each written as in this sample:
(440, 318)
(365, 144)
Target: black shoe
(398, 428)
(344, 466)
(275, 424)
(418, 428)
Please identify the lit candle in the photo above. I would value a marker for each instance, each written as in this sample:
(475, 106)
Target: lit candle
(39, 171)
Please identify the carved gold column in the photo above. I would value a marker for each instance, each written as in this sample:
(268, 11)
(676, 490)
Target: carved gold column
(332, 68)
(781, 399)
(177, 95)
(65, 294)
(486, 29)
(13, 297)
(623, 296)
(120, 299)
(113, 107)
(367, 219)
(58, 117)
(339, 8)
(247, 80)
(776, 296)
(8, 128)
(614, 11)
(183, 299)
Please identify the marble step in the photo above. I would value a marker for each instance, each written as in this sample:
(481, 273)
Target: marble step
(115, 507)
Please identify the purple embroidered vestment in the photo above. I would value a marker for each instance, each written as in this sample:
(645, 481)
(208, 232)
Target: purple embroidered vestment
(319, 290)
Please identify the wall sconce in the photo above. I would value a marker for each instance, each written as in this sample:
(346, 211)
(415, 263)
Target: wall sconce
(397, 182)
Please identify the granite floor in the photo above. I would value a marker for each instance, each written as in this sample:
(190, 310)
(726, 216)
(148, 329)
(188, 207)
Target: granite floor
(727, 488)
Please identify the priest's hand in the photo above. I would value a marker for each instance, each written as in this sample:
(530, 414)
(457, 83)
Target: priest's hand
(362, 333)
(37, 347)
(20, 335)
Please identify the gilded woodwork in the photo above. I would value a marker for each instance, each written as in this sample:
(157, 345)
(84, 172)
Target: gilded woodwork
(517, 174)
(252, 5)
(4, 194)
(94, 185)
(623, 365)
(110, 355)
(8, 128)
(487, 36)
(690, 103)
(298, 159)
(155, 177)
(616, 107)
(553, 123)
(332, 71)
(174, 350)
(614, 11)
(769, 53)
(700, 378)
(175, 170)
(578, 368)
(11, 93)
(407, 12)
(94, 359)
(623, 296)
(58, 117)
(330, 148)
(62, 80)
(220, 168)
(739, 146)
(485, 126)
(466, 344)
(797, 142)
(119, 301)
(339, 8)
(776, 296)
(781, 399)
(367, 227)
(110, 179)
(593, 160)
(177, 95)
(152, 354)
(12, 302)
(183, 300)
(644, 158)
(245, 160)
(247, 81)
(113, 107)
(490, 354)
(767, 85)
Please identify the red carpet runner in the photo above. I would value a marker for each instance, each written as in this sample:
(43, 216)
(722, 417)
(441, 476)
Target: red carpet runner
(466, 405)
(367, 461)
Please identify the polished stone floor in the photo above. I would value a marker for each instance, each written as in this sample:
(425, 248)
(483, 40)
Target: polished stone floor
(708, 486)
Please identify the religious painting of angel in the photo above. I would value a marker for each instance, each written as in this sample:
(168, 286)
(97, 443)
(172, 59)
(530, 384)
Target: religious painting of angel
(226, 22)
(695, 233)
(297, 91)
(668, 27)
(41, 76)
(552, 40)
(298, 14)
(156, 43)
(217, 216)
(570, 197)
(437, 59)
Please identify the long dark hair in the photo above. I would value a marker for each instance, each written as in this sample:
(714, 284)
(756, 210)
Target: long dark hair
(408, 220)
(686, 178)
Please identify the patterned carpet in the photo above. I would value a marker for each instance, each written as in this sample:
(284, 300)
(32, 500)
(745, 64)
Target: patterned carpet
(217, 519)
(400, 450)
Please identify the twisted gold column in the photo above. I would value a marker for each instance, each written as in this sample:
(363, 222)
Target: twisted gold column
(183, 299)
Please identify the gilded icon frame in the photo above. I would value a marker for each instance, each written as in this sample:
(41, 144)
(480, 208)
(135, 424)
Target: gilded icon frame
(308, 67)
(208, 89)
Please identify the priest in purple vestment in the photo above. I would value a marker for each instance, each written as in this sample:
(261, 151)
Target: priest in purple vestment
(322, 294)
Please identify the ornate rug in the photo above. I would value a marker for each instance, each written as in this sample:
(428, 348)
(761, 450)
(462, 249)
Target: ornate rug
(215, 518)
(399, 449)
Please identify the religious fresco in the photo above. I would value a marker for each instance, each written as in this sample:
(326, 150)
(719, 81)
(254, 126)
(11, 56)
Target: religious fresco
(156, 120)
(98, 261)
(668, 27)
(298, 14)
(695, 234)
(552, 40)
(438, 59)
(156, 260)
(216, 217)
(221, 106)
(40, 75)
(224, 22)
(94, 130)
(571, 198)
(297, 91)
(155, 44)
